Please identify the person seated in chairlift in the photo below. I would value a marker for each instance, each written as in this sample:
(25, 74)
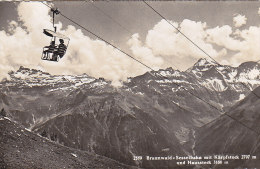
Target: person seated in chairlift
(51, 48)
(61, 49)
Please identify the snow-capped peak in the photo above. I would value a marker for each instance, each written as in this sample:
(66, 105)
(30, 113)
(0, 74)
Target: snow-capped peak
(26, 73)
(202, 65)
(33, 77)
(205, 62)
(169, 72)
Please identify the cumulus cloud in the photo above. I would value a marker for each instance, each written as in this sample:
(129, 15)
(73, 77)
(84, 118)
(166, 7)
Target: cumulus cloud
(168, 43)
(224, 44)
(22, 46)
(241, 43)
(222, 36)
(250, 49)
(144, 53)
(239, 20)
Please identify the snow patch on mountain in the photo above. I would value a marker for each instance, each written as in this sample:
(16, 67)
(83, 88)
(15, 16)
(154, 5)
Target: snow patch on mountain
(172, 81)
(21, 75)
(140, 93)
(183, 135)
(102, 83)
(170, 73)
(241, 97)
(252, 74)
(74, 155)
(231, 76)
(215, 85)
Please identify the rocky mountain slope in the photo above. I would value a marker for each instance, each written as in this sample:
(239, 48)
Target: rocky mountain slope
(227, 136)
(20, 148)
(150, 114)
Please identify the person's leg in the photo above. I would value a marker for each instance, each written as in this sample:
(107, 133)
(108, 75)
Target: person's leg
(45, 54)
(54, 56)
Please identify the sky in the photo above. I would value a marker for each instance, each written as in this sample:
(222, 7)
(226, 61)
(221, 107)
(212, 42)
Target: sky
(229, 31)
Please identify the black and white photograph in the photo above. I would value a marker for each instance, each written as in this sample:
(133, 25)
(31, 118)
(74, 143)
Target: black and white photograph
(129, 84)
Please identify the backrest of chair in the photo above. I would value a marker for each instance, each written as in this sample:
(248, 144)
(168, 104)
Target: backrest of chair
(52, 47)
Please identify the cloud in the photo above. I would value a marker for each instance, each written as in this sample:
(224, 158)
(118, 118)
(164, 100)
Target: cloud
(222, 36)
(250, 50)
(172, 46)
(144, 53)
(259, 11)
(239, 20)
(241, 43)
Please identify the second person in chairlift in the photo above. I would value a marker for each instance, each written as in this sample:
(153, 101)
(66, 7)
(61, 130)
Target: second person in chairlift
(61, 49)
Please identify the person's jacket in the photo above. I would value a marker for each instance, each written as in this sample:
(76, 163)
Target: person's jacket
(62, 49)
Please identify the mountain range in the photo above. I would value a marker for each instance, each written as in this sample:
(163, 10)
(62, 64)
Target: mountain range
(155, 114)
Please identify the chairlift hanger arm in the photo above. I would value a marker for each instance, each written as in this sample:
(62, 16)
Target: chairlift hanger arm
(54, 12)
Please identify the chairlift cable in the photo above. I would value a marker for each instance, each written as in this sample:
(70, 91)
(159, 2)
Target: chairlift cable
(47, 5)
(110, 17)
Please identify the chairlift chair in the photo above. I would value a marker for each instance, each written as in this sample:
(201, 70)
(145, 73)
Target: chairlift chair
(54, 55)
